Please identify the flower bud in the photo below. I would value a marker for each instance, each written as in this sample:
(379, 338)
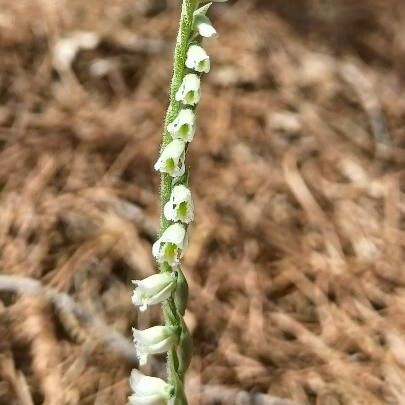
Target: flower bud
(171, 160)
(158, 339)
(170, 246)
(183, 126)
(202, 24)
(180, 206)
(149, 390)
(189, 91)
(198, 59)
(153, 289)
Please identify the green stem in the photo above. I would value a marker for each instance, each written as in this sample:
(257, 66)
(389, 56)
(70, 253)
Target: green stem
(172, 312)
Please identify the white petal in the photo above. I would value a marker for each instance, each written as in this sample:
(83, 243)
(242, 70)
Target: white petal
(156, 248)
(180, 193)
(152, 335)
(174, 234)
(157, 251)
(145, 385)
(162, 295)
(160, 347)
(136, 297)
(169, 213)
(149, 390)
(153, 289)
(155, 282)
(205, 27)
(147, 400)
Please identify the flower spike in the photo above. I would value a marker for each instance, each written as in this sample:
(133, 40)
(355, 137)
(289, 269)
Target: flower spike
(169, 287)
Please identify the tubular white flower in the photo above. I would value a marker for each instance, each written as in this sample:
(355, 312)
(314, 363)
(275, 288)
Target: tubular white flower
(153, 289)
(183, 127)
(198, 59)
(170, 246)
(202, 24)
(171, 160)
(189, 91)
(180, 206)
(158, 339)
(149, 390)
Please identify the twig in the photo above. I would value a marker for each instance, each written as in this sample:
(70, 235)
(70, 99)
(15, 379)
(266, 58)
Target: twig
(369, 100)
(113, 339)
(228, 395)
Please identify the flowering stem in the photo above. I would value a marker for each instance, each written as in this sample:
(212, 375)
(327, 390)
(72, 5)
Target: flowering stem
(173, 310)
(169, 286)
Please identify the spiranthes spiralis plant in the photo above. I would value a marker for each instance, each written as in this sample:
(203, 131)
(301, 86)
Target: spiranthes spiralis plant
(169, 286)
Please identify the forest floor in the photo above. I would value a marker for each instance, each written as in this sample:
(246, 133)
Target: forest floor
(295, 262)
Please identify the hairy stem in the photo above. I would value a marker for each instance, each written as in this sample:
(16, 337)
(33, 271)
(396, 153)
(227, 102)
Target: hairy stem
(179, 70)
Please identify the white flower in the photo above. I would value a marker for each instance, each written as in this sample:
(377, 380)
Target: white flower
(202, 23)
(149, 390)
(180, 206)
(183, 126)
(153, 289)
(189, 91)
(198, 59)
(158, 339)
(170, 246)
(171, 160)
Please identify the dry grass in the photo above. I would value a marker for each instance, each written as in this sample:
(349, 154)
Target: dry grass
(296, 258)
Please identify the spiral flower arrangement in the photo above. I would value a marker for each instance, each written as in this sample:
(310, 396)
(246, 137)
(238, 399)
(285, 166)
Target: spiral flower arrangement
(169, 286)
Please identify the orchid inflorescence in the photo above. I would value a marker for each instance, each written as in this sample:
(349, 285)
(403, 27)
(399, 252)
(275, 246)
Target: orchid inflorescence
(169, 287)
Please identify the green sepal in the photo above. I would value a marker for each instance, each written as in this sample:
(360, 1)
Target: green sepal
(202, 11)
(170, 313)
(176, 380)
(184, 350)
(181, 293)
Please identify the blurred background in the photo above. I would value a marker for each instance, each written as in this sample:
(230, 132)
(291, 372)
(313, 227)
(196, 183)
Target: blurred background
(295, 261)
